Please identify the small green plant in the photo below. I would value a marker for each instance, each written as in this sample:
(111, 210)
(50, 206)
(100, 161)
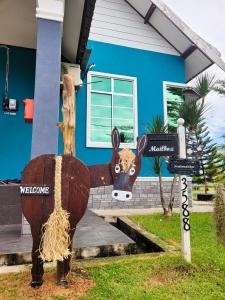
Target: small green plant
(157, 126)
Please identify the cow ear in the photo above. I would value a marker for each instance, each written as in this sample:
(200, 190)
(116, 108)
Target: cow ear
(115, 138)
(141, 144)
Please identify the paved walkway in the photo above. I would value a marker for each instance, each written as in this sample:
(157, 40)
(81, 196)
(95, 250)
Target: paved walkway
(197, 206)
(93, 233)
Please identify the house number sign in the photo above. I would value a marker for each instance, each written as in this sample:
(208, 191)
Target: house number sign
(35, 190)
(160, 144)
(184, 204)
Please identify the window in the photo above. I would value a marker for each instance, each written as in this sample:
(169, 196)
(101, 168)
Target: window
(172, 100)
(111, 102)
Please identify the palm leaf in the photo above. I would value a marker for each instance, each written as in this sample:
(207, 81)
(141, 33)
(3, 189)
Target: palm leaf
(156, 126)
(204, 84)
(192, 113)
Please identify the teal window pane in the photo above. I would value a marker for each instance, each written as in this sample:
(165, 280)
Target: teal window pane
(101, 111)
(100, 84)
(174, 97)
(127, 125)
(123, 86)
(101, 99)
(123, 113)
(126, 136)
(123, 101)
(101, 124)
(100, 136)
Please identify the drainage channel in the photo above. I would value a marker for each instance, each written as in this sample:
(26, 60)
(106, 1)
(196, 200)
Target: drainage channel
(95, 237)
(144, 241)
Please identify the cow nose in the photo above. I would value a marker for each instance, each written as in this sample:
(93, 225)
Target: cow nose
(121, 195)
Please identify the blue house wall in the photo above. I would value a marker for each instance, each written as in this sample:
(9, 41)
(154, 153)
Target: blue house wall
(15, 134)
(151, 69)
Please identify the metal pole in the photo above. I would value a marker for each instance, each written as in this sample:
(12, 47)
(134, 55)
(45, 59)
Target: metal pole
(184, 211)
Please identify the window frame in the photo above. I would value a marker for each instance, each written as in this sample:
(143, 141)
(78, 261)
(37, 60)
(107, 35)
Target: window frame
(89, 143)
(173, 84)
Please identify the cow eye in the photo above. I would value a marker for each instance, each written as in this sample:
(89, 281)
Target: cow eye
(132, 171)
(117, 169)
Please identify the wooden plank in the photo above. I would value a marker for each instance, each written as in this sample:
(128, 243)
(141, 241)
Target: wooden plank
(149, 13)
(145, 33)
(131, 44)
(189, 51)
(75, 182)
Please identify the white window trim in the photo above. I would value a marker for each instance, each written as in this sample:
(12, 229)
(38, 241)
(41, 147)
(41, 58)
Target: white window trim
(174, 84)
(88, 131)
(145, 178)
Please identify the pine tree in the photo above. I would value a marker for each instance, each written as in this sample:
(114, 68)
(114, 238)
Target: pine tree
(220, 87)
(221, 152)
(207, 153)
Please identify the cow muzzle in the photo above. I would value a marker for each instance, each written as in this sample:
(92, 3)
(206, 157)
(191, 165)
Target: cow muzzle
(121, 195)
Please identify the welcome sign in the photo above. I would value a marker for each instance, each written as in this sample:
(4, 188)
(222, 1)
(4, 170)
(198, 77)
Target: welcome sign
(35, 190)
(161, 144)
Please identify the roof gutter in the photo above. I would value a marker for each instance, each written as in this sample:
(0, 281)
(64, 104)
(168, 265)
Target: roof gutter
(88, 12)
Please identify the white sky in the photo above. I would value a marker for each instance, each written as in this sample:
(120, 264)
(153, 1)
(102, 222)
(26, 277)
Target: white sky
(207, 18)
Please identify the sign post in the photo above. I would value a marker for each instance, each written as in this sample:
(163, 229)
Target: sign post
(184, 210)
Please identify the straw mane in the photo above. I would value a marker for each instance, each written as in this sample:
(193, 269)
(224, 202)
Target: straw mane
(127, 158)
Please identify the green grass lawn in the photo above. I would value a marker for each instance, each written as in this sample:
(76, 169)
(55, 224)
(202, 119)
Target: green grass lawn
(165, 276)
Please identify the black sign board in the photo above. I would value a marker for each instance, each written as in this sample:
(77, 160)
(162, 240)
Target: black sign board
(183, 166)
(35, 190)
(161, 144)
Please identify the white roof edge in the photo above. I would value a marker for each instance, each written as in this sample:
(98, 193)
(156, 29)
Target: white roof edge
(210, 51)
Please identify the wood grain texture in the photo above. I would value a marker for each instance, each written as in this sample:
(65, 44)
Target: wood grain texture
(75, 188)
(68, 111)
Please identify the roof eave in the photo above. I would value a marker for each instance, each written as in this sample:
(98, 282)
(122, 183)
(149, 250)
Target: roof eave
(207, 49)
(76, 28)
(192, 43)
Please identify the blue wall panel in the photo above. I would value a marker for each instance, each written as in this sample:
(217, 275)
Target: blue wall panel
(15, 134)
(151, 69)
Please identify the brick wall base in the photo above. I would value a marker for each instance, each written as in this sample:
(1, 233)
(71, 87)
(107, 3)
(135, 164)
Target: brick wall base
(10, 205)
(145, 195)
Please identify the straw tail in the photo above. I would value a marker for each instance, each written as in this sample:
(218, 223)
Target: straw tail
(55, 240)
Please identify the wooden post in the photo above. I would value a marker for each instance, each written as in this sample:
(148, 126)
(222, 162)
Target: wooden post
(68, 110)
(184, 211)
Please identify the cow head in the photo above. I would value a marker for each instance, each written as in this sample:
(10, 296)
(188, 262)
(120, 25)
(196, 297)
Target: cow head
(125, 167)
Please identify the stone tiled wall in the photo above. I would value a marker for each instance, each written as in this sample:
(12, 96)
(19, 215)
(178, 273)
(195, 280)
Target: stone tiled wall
(145, 195)
(10, 205)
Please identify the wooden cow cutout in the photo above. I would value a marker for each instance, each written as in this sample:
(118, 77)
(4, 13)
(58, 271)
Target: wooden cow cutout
(76, 181)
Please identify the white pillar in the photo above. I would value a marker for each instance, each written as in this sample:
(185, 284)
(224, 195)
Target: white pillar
(184, 210)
